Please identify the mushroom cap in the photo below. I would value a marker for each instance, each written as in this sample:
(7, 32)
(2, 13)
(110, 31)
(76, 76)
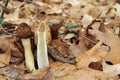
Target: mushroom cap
(41, 27)
(24, 31)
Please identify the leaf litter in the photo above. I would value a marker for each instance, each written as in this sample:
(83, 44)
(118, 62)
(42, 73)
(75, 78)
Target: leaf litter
(82, 39)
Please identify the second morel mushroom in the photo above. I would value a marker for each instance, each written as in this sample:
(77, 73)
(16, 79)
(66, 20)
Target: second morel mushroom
(24, 33)
(42, 56)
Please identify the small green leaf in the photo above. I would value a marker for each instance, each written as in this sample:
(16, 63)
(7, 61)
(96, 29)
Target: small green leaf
(50, 24)
(2, 22)
(70, 25)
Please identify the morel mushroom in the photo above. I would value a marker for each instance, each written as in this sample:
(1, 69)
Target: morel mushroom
(42, 56)
(24, 33)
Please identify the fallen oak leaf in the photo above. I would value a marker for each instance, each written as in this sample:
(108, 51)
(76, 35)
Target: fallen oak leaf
(82, 46)
(112, 70)
(9, 49)
(5, 53)
(17, 48)
(112, 41)
(59, 51)
(92, 55)
(11, 72)
(2, 77)
(65, 71)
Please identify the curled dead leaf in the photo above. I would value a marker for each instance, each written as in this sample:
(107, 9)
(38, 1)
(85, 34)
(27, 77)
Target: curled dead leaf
(59, 51)
(112, 41)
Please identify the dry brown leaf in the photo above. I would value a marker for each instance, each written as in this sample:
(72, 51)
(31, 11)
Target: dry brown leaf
(8, 44)
(112, 41)
(11, 72)
(117, 6)
(53, 1)
(54, 10)
(80, 47)
(112, 70)
(76, 11)
(59, 50)
(64, 71)
(86, 20)
(92, 55)
(5, 52)
(2, 77)
(5, 57)
(73, 2)
(54, 30)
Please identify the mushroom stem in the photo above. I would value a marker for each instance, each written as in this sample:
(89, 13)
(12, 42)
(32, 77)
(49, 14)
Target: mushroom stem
(42, 56)
(24, 33)
(29, 59)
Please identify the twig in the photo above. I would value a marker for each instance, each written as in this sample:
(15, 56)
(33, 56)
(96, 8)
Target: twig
(3, 63)
(4, 9)
(89, 39)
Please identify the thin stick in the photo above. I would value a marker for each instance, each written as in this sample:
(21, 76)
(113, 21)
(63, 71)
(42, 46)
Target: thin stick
(88, 39)
(4, 9)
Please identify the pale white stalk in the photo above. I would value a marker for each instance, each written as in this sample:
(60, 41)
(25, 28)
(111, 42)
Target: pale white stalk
(29, 59)
(42, 56)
